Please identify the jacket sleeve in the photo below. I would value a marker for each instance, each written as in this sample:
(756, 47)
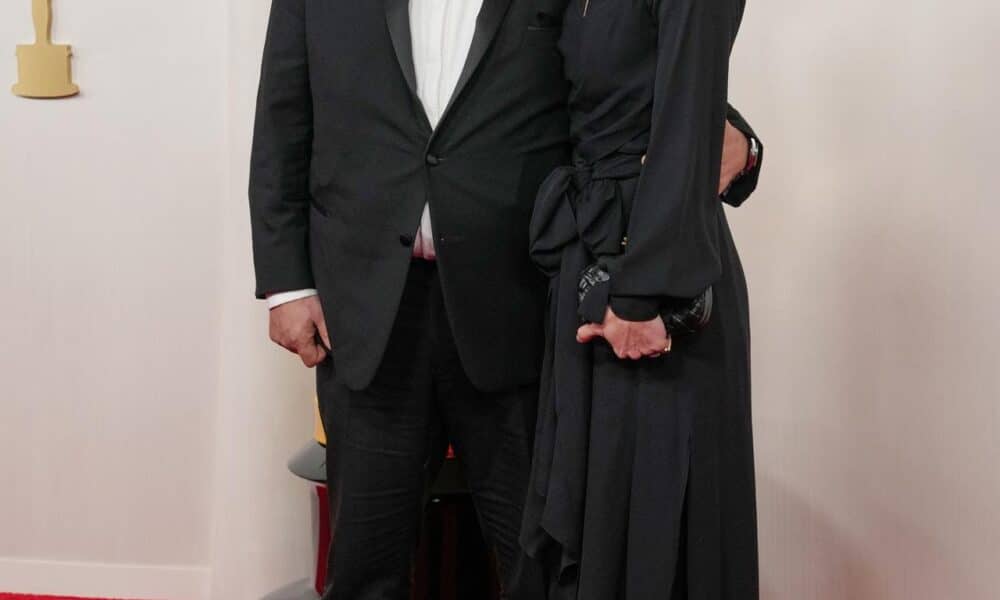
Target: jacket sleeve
(673, 234)
(280, 157)
(745, 185)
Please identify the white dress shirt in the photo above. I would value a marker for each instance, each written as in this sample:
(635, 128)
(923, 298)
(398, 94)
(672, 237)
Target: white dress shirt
(442, 32)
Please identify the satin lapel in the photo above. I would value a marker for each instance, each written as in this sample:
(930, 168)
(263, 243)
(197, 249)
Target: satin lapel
(487, 25)
(397, 16)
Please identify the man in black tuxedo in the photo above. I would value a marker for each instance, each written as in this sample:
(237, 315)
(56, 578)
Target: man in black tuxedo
(397, 150)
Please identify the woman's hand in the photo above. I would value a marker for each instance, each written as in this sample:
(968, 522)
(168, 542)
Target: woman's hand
(629, 339)
(735, 153)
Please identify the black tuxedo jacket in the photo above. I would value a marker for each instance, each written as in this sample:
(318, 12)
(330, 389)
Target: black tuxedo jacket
(344, 159)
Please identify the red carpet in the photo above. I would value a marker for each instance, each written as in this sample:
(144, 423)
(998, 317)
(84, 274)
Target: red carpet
(4, 596)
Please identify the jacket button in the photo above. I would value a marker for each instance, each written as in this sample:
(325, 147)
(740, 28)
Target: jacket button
(433, 160)
(406, 240)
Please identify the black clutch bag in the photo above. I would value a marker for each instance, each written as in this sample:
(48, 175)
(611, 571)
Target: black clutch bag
(681, 316)
(687, 316)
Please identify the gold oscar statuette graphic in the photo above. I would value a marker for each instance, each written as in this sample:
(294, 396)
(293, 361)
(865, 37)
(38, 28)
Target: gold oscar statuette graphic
(43, 68)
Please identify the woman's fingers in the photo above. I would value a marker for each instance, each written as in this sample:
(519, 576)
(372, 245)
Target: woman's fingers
(588, 332)
(657, 347)
(629, 340)
(654, 346)
(657, 339)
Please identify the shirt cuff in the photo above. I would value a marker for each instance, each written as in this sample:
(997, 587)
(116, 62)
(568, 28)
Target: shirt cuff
(275, 300)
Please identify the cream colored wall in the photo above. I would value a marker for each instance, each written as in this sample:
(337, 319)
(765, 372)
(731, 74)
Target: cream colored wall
(145, 420)
(262, 536)
(874, 266)
(110, 301)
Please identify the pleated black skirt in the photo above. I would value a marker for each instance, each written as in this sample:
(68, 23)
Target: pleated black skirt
(643, 481)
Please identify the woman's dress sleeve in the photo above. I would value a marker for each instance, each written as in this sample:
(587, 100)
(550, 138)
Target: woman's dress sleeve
(745, 184)
(673, 246)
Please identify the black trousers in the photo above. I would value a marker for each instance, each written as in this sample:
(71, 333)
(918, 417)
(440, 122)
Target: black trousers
(387, 442)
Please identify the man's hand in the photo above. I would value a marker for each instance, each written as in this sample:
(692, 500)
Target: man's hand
(294, 326)
(629, 339)
(735, 151)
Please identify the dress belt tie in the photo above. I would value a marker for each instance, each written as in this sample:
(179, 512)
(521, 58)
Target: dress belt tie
(581, 202)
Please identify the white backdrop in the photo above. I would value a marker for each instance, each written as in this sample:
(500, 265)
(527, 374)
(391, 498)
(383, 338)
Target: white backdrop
(872, 256)
(110, 301)
(145, 419)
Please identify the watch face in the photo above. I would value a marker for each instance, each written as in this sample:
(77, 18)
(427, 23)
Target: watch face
(754, 154)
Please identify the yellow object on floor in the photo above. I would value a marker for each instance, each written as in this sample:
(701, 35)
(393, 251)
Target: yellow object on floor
(319, 433)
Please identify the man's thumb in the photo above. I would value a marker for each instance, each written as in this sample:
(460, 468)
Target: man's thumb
(324, 336)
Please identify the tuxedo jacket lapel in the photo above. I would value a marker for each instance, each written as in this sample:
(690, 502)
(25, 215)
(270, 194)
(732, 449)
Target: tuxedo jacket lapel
(487, 25)
(397, 16)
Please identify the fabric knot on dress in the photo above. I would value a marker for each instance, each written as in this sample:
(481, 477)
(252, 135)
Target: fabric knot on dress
(582, 202)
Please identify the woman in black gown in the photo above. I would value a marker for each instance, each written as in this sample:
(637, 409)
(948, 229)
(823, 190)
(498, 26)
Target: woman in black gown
(643, 485)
